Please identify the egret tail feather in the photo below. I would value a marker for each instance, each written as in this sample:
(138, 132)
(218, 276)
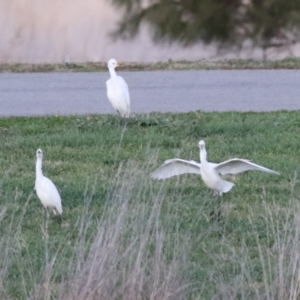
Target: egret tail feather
(227, 186)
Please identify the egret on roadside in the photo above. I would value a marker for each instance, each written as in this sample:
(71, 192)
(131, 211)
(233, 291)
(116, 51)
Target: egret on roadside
(210, 172)
(117, 90)
(45, 188)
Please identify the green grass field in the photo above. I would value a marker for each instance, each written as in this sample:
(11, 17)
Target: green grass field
(126, 236)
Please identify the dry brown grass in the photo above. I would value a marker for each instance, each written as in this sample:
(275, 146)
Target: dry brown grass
(134, 255)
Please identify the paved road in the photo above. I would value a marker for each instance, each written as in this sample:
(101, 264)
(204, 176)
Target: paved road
(176, 91)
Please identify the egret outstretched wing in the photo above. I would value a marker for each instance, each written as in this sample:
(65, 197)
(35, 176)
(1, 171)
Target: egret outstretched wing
(238, 165)
(175, 167)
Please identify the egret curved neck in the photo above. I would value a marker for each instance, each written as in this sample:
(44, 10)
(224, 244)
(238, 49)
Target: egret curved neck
(202, 155)
(112, 73)
(38, 167)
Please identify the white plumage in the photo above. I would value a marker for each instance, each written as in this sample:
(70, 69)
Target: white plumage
(210, 172)
(117, 90)
(45, 188)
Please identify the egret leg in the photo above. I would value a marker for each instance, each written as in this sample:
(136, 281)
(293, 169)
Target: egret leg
(59, 220)
(123, 123)
(57, 216)
(46, 219)
(120, 119)
(216, 214)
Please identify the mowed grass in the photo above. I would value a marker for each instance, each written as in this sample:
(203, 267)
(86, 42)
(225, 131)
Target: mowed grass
(126, 236)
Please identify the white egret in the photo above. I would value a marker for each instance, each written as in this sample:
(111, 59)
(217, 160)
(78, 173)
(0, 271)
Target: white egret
(117, 90)
(45, 188)
(210, 172)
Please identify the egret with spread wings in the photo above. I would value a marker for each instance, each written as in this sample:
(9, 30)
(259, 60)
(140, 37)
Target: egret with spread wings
(210, 172)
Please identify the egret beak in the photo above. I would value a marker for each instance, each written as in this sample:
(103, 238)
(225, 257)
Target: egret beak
(120, 64)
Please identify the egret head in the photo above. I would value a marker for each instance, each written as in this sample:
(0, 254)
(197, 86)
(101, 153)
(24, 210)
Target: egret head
(201, 144)
(39, 153)
(112, 63)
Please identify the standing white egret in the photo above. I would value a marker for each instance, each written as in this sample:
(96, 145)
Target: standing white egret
(210, 172)
(45, 188)
(117, 90)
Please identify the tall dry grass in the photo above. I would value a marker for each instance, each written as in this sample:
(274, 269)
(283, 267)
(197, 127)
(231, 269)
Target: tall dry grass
(4, 260)
(271, 269)
(127, 258)
(136, 253)
(139, 251)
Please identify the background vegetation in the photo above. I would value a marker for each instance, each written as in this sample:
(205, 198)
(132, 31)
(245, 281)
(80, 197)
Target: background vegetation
(230, 23)
(126, 236)
(227, 64)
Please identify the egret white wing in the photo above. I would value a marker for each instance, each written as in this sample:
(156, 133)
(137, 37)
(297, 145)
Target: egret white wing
(175, 167)
(118, 96)
(238, 165)
(51, 195)
(125, 90)
(55, 195)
